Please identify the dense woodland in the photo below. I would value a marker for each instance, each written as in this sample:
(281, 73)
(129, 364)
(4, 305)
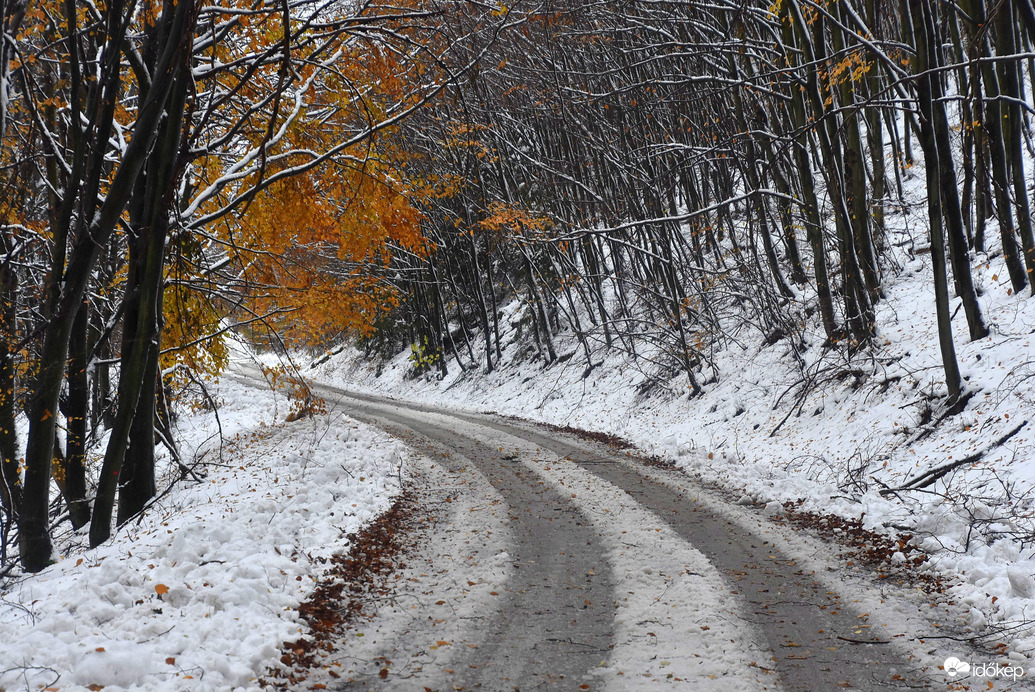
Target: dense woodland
(645, 175)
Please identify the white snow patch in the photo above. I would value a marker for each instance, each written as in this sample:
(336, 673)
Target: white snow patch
(201, 592)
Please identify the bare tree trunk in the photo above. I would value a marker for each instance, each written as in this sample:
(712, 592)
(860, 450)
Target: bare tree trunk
(813, 225)
(924, 34)
(132, 435)
(77, 416)
(92, 234)
(141, 332)
(10, 481)
(1013, 124)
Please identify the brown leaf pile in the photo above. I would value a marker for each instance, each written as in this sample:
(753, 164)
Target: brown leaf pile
(351, 579)
(604, 438)
(868, 548)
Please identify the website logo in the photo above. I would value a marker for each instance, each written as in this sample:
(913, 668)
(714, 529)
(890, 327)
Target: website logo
(956, 668)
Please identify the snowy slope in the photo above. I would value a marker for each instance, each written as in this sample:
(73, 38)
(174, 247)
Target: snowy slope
(201, 593)
(820, 427)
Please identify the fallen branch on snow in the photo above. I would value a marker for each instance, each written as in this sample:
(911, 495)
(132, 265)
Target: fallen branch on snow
(933, 475)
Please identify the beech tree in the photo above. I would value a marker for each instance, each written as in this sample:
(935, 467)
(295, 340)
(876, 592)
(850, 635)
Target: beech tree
(155, 149)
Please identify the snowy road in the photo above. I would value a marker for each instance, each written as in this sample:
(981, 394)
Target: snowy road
(551, 562)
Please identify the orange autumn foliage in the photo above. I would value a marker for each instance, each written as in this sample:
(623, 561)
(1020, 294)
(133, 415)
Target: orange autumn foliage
(312, 248)
(323, 237)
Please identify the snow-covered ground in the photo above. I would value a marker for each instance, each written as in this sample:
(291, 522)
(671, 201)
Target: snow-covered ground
(819, 427)
(201, 592)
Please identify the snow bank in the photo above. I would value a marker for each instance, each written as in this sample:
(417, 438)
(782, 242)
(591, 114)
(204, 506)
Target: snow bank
(202, 591)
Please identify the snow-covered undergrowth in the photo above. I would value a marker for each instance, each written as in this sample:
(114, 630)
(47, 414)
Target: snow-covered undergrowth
(201, 592)
(845, 435)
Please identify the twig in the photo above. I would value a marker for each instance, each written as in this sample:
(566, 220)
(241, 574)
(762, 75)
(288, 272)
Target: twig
(800, 399)
(212, 403)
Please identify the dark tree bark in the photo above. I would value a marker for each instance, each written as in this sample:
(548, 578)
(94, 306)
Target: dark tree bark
(923, 25)
(949, 192)
(132, 434)
(810, 207)
(994, 138)
(1013, 126)
(93, 233)
(10, 480)
(77, 416)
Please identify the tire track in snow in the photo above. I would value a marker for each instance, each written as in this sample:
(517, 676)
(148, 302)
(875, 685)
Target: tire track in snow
(674, 622)
(550, 627)
(423, 626)
(815, 636)
(672, 619)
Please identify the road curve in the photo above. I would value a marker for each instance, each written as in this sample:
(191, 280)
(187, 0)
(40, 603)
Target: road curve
(549, 562)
